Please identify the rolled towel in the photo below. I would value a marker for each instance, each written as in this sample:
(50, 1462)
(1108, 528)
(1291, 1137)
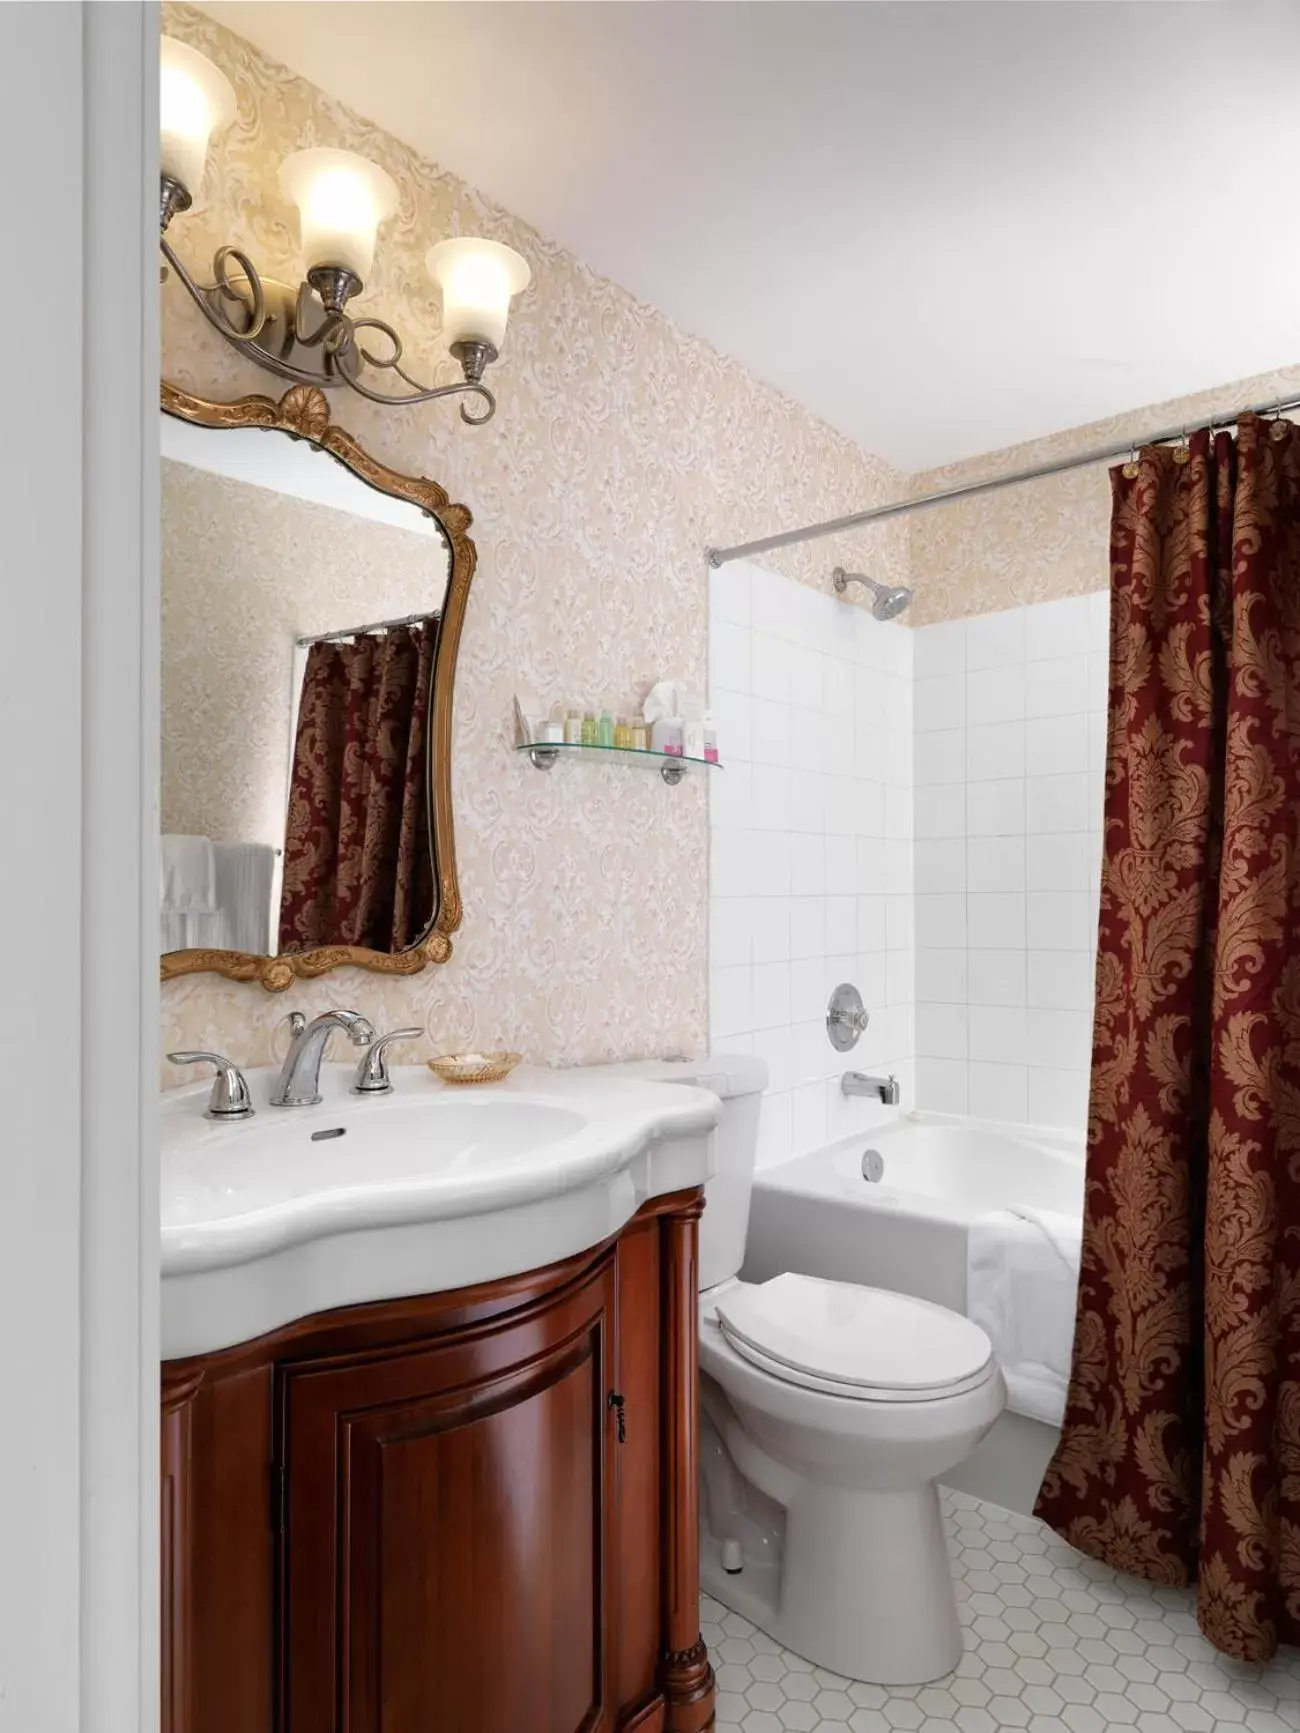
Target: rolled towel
(1022, 1279)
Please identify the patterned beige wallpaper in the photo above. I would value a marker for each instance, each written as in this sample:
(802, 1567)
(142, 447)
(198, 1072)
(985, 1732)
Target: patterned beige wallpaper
(245, 571)
(621, 449)
(1043, 539)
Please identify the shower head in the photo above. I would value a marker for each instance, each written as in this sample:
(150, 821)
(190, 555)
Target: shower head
(890, 600)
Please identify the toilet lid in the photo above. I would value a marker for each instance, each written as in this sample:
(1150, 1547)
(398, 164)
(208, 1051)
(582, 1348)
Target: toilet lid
(853, 1341)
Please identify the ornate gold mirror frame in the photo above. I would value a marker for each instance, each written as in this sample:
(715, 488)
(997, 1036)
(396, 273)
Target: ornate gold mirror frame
(303, 413)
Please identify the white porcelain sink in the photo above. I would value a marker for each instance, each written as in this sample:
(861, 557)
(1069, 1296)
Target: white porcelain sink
(295, 1211)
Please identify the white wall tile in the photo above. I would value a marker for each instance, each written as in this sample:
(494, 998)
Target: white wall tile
(900, 921)
(939, 811)
(941, 921)
(1056, 803)
(729, 593)
(939, 703)
(731, 932)
(769, 668)
(1054, 629)
(994, 863)
(998, 1091)
(1058, 1097)
(1055, 745)
(1059, 863)
(771, 995)
(940, 757)
(996, 640)
(941, 1084)
(995, 920)
(770, 732)
(940, 864)
(769, 795)
(939, 649)
(807, 927)
(871, 922)
(730, 802)
(996, 808)
(941, 976)
(996, 1033)
(996, 977)
(1060, 920)
(995, 750)
(996, 695)
(731, 1001)
(1059, 1040)
(771, 929)
(729, 655)
(1058, 687)
(1059, 980)
(1099, 623)
(807, 1118)
(941, 1031)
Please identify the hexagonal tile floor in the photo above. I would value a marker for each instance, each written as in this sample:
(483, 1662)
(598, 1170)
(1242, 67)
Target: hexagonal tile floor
(1054, 1644)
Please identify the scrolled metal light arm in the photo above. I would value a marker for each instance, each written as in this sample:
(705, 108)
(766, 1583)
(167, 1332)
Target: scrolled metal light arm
(332, 342)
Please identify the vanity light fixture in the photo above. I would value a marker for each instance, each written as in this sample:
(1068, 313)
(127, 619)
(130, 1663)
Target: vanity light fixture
(307, 335)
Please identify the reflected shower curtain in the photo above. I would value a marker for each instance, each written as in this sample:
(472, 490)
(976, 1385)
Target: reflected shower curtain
(1180, 1455)
(358, 864)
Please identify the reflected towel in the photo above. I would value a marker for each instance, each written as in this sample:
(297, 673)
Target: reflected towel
(1022, 1279)
(245, 873)
(187, 875)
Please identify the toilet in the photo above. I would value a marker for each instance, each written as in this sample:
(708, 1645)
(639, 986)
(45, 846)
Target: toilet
(829, 1412)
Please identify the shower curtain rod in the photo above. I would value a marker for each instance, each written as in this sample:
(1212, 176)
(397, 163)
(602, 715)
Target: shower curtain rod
(877, 514)
(374, 626)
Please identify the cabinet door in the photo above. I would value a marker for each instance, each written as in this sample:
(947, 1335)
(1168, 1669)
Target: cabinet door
(444, 1563)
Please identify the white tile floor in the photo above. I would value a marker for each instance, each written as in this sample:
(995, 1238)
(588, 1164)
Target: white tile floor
(1054, 1644)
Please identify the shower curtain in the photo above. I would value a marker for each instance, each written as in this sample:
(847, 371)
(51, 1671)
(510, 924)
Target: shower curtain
(358, 867)
(1180, 1455)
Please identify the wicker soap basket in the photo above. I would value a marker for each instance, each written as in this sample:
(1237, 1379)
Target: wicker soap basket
(474, 1067)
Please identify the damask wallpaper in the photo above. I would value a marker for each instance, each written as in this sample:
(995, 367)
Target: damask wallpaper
(1045, 539)
(621, 449)
(245, 571)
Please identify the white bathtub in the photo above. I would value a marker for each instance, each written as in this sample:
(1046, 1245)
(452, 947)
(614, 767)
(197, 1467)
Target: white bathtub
(817, 1214)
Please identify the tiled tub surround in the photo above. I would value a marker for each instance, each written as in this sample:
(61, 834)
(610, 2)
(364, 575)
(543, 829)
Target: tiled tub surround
(1010, 720)
(811, 874)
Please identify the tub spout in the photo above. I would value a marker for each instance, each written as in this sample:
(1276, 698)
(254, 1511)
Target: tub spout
(881, 1088)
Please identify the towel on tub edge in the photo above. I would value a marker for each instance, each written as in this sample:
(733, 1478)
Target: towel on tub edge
(1022, 1279)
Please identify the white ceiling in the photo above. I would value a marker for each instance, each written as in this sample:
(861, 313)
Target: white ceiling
(944, 227)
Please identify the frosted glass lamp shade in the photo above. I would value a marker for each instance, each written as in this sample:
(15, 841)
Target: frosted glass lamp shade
(477, 280)
(341, 200)
(197, 101)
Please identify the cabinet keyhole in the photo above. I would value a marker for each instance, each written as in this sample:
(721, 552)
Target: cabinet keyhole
(617, 1404)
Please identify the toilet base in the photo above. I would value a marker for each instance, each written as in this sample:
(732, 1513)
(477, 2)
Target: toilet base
(863, 1585)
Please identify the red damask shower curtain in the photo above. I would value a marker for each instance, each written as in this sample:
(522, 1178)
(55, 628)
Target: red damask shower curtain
(358, 865)
(1180, 1455)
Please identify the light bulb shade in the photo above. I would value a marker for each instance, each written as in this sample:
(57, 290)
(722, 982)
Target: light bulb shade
(197, 101)
(341, 200)
(477, 280)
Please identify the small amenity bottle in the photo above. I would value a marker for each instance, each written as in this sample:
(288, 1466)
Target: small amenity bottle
(573, 729)
(589, 732)
(606, 734)
(710, 739)
(622, 734)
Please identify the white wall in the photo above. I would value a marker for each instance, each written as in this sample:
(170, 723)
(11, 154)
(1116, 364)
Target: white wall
(1010, 716)
(78, 1017)
(811, 855)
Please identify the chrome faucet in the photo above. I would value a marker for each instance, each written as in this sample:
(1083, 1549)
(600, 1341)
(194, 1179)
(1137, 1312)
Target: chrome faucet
(299, 1082)
(883, 1088)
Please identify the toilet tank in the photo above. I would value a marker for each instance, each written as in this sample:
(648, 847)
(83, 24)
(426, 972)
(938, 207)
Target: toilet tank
(738, 1080)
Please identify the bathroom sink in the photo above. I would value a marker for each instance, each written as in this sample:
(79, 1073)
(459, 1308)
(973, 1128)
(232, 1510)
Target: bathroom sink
(298, 1210)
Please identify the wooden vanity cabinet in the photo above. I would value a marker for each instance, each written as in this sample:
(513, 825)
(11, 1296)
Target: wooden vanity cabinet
(463, 1513)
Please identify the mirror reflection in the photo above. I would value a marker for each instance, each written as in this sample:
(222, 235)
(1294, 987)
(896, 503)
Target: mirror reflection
(300, 617)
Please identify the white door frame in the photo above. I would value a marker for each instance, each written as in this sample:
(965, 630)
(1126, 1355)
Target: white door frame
(78, 873)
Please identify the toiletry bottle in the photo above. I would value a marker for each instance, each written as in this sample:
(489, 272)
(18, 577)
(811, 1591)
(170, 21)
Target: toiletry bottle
(622, 734)
(606, 735)
(640, 739)
(589, 730)
(710, 738)
(573, 729)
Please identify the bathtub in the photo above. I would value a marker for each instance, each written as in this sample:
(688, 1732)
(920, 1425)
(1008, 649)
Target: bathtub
(818, 1215)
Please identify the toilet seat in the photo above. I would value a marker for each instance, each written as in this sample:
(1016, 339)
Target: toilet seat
(865, 1344)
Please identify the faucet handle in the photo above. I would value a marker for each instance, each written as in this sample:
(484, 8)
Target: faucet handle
(372, 1074)
(230, 1098)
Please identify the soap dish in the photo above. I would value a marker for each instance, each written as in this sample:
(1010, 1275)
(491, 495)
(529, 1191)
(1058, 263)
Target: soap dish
(474, 1067)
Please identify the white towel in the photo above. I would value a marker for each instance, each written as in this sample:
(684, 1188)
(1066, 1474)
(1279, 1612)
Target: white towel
(1022, 1279)
(187, 875)
(245, 875)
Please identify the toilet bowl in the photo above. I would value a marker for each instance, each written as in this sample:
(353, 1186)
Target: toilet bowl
(829, 1411)
(848, 1444)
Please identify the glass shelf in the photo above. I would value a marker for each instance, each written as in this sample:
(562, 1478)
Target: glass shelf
(672, 766)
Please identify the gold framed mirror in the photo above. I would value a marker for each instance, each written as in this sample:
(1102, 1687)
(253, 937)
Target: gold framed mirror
(311, 615)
